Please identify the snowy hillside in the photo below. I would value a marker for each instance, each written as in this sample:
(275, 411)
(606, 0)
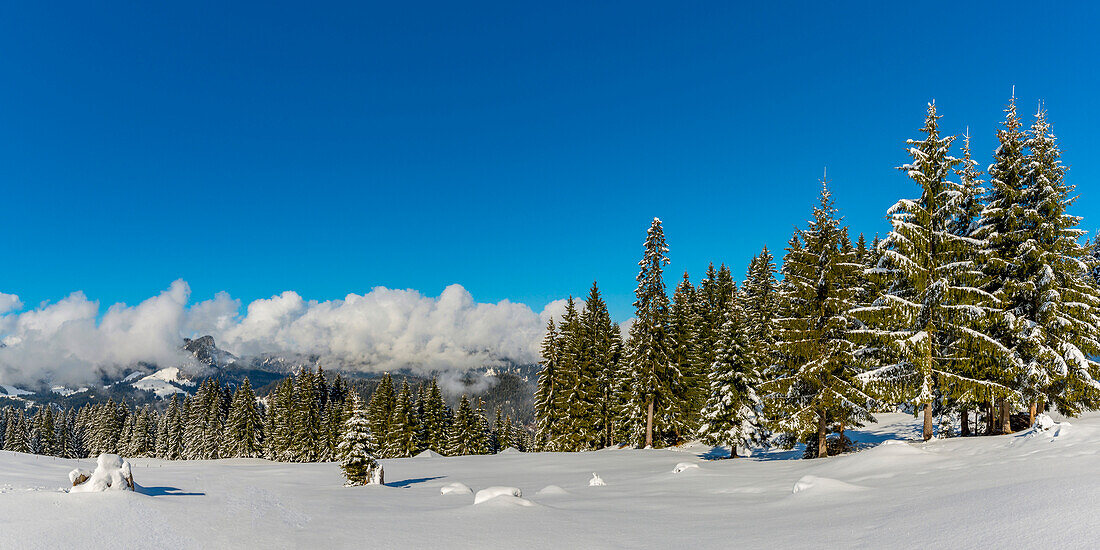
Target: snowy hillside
(164, 382)
(1023, 490)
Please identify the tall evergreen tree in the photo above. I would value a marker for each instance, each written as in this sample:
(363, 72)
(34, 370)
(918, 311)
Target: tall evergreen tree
(815, 383)
(651, 373)
(1059, 313)
(733, 414)
(932, 317)
(244, 426)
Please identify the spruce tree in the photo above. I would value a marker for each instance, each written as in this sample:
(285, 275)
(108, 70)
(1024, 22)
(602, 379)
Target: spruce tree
(733, 414)
(355, 450)
(548, 416)
(243, 427)
(689, 388)
(380, 410)
(1061, 335)
(651, 373)
(401, 442)
(814, 385)
(932, 317)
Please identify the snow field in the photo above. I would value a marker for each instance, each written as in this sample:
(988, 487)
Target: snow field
(1034, 489)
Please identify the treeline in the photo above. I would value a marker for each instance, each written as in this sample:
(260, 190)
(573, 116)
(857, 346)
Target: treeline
(302, 420)
(981, 299)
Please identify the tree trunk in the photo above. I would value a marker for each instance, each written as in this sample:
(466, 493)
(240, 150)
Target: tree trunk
(1006, 423)
(1031, 413)
(733, 450)
(989, 418)
(822, 446)
(649, 425)
(927, 432)
(965, 422)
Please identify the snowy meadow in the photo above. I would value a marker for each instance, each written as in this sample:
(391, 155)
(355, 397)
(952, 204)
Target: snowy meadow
(1029, 489)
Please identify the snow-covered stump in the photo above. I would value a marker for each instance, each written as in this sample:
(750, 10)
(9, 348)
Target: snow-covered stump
(112, 473)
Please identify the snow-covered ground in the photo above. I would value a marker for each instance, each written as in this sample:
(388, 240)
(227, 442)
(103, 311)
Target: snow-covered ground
(160, 382)
(1026, 490)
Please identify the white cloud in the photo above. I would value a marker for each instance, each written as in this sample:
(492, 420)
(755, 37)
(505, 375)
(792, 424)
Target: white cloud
(68, 342)
(9, 302)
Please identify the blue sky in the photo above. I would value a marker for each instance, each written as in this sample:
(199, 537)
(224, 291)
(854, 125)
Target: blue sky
(519, 150)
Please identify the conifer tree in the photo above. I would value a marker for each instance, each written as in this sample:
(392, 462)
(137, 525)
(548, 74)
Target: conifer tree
(380, 410)
(932, 316)
(547, 414)
(433, 420)
(815, 383)
(401, 442)
(356, 454)
(243, 427)
(1006, 231)
(733, 414)
(688, 390)
(651, 374)
(1061, 334)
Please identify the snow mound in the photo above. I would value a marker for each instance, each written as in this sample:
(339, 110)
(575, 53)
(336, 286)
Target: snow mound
(509, 451)
(112, 473)
(685, 466)
(1044, 422)
(455, 488)
(552, 490)
(508, 500)
(428, 453)
(822, 484)
(596, 481)
(493, 492)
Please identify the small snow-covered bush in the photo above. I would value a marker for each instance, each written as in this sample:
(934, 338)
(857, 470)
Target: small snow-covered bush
(596, 481)
(112, 473)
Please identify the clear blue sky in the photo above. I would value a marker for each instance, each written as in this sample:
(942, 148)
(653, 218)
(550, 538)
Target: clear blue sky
(517, 149)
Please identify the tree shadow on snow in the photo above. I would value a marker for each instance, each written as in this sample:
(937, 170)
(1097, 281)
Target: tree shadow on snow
(164, 491)
(413, 481)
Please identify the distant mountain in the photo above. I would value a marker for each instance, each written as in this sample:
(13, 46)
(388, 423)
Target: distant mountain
(509, 386)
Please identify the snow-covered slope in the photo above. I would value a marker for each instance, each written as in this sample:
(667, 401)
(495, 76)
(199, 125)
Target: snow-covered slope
(1028, 490)
(163, 382)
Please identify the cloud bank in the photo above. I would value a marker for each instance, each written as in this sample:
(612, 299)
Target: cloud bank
(69, 342)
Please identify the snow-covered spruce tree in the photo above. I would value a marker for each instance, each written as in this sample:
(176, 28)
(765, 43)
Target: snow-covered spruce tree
(307, 417)
(355, 451)
(15, 436)
(1061, 334)
(602, 352)
(483, 432)
(1007, 231)
(733, 414)
(547, 415)
(434, 419)
(244, 427)
(931, 319)
(571, 382)
(464, 431)
(401, 442)
(760, 305)
(690, 392)
(651, 373)
(380, 410)
(814, 385)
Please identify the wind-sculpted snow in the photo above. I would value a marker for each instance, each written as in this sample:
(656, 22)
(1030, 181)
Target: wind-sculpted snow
(1033, 489)
(72, 342)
